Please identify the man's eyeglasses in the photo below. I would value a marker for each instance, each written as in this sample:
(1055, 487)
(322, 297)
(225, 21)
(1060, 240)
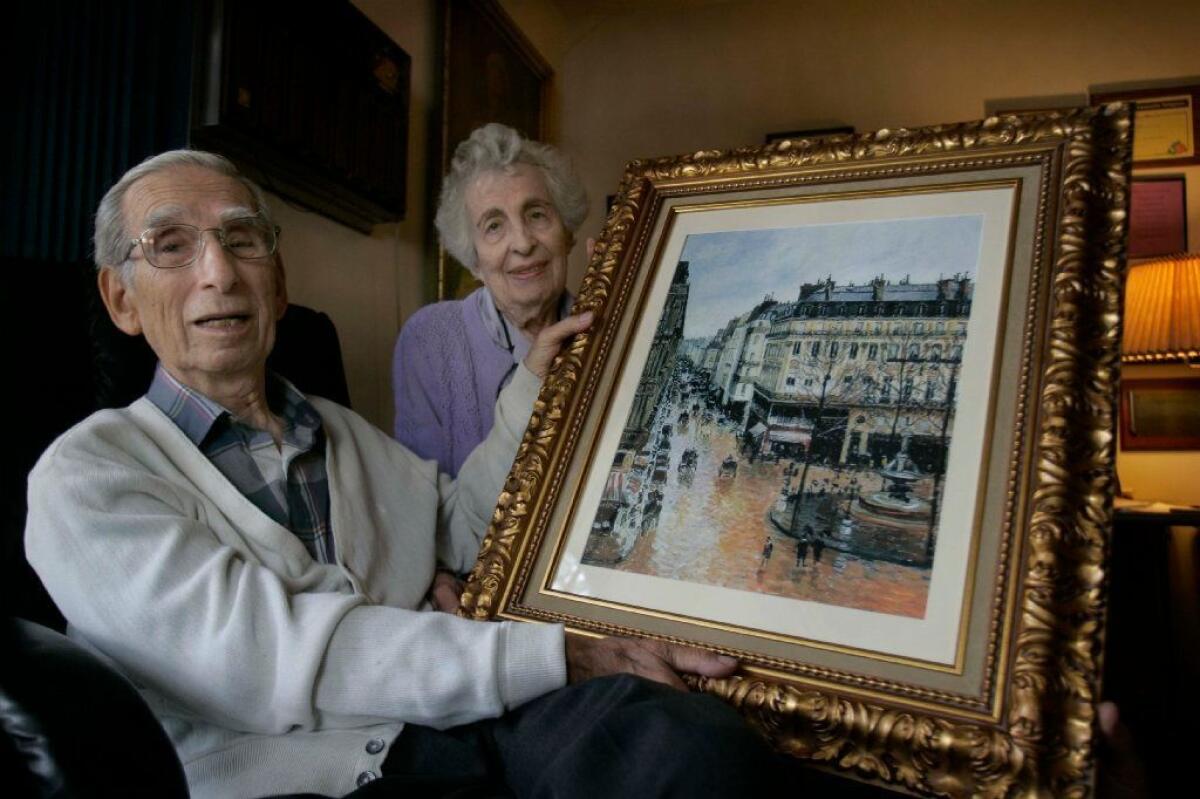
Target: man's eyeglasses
(177, 245)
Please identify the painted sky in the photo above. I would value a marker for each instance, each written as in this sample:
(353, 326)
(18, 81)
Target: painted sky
(732, 271)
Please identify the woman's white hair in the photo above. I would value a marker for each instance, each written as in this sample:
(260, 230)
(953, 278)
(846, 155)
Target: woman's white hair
(494, 148)
(113, 236)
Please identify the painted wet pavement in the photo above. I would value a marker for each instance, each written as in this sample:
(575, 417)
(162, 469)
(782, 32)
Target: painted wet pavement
(714, 531)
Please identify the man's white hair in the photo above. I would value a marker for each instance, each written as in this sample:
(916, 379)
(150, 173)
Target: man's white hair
(113, 236)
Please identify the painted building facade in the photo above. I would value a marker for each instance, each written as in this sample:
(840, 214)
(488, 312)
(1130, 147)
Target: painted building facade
(858, 371)
(660, 363)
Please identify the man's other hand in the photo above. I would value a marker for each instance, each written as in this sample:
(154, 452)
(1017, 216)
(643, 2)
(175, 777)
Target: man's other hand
(445, 592)
(653, 660)
(1122, 774)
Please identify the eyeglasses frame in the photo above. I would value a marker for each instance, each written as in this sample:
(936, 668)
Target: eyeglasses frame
(134, 243)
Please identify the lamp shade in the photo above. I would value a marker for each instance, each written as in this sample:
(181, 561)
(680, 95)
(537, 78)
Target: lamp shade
(1162, 310)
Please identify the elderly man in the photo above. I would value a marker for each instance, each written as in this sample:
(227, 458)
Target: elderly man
(257, 561)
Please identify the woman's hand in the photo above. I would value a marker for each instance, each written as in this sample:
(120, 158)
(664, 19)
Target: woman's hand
(550, 340)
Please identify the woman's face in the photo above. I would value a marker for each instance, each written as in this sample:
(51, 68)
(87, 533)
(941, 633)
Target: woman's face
(520, 241)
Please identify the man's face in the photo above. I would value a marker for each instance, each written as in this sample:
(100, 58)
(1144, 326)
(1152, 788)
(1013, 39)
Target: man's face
(212, 323)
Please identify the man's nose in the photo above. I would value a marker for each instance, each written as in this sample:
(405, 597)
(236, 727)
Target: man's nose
(215, 265)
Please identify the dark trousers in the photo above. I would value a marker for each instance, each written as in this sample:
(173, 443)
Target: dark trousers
(611, 737)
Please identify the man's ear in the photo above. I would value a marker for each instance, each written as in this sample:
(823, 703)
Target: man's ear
(118, 299)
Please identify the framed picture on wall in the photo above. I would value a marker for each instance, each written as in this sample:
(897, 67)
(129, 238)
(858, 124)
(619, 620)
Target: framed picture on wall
(1166, 124)
(1158, 216)
(491, 73)
(831, 422)
(1160, 414)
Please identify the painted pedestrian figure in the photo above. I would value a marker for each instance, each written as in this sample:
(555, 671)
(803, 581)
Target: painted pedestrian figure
(768, 548)
(808, 534)
(818, 546)
(801, 551)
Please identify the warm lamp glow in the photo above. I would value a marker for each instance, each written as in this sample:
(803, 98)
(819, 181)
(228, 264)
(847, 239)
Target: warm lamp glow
(1162, 311)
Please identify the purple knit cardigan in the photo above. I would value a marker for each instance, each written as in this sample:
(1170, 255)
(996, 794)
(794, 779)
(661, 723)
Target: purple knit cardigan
(446, 373)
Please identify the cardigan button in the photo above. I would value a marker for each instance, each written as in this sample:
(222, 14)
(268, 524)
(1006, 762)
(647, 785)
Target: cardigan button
(375, 746)
(365, 777)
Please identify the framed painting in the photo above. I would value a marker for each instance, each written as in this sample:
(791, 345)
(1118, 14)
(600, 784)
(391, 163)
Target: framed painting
(1160, 414)
(1158, 216)
(847, 415)
(1166, 124)
(491, 73)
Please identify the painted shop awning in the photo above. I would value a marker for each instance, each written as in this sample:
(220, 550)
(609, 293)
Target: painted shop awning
(790, 436)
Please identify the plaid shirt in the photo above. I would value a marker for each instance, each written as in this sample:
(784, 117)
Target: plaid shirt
(288, 483)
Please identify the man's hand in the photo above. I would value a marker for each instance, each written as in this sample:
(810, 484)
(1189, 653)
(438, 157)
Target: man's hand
(550, 340)
(445, 592)
(654, 660)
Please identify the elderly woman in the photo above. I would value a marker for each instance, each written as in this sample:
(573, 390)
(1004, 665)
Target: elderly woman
(508, 211)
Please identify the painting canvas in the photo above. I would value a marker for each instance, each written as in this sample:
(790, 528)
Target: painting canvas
(788, 435)
(847, 415)
(798, 443)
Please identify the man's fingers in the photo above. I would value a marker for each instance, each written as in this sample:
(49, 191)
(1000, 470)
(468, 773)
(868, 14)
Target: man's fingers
(650, 665)
(1109, 717)
(695, 661)
(445, 591)
(444, 599)
(652, 660)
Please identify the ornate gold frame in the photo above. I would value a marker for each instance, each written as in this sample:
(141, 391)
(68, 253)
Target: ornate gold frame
(1031, 732)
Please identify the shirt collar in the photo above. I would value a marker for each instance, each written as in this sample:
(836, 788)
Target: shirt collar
(191, 411)
(196, 415)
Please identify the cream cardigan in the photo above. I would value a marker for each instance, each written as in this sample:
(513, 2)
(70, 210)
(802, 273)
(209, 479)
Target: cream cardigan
(273, 673)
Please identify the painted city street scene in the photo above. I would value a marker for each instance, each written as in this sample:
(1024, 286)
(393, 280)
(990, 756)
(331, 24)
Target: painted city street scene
(790, 429)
